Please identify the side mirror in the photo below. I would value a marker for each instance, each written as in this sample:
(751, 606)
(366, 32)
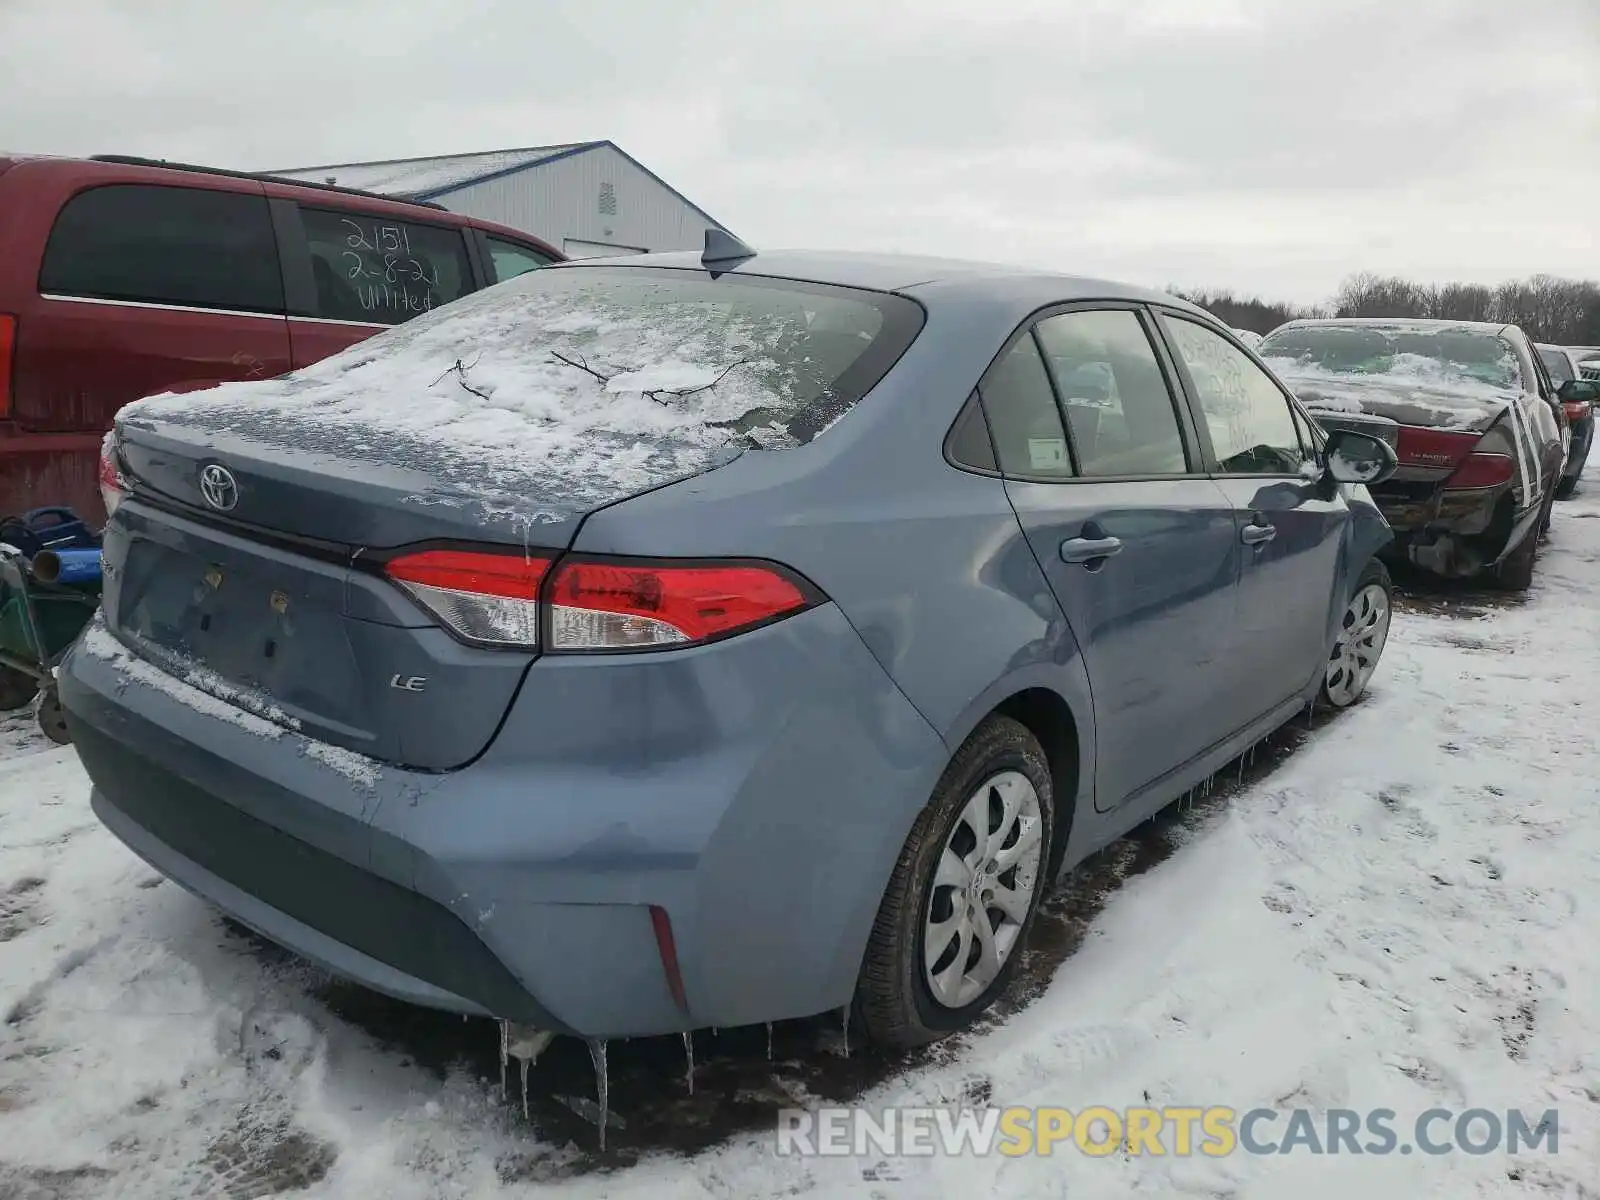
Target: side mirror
(1359, 457)
(1579, 391)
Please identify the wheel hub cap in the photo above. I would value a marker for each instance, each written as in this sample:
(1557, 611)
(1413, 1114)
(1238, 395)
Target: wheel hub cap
(983, 889)
(1359, 645)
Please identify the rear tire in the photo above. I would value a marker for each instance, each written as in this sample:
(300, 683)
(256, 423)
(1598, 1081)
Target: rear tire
(1363, 633)
(16, 689)
(948, 879)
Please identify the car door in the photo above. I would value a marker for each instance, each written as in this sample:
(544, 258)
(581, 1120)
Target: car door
(1291, 527)
(358, 271)
(1136, 543)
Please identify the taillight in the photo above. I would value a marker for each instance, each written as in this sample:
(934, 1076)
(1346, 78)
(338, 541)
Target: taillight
(1482, 471)
(1419, 447)
(491, 599)
(494, 599)
(8, 358)
(1576, 410)
(112, 486)
(601, 604)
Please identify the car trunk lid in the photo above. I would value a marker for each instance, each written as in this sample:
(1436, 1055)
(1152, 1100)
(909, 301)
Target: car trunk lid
(247, 553)
(1433, 428)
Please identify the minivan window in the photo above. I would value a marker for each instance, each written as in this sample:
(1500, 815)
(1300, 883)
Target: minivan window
(192, 247)
(511, 260)
(380, 271)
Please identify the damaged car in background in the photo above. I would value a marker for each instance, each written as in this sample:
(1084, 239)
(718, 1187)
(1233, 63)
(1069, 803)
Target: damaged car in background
(636, 647)
(1477, 428)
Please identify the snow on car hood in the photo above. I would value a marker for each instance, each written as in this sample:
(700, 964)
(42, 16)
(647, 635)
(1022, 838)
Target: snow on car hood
(1414, 392)
(510, 396)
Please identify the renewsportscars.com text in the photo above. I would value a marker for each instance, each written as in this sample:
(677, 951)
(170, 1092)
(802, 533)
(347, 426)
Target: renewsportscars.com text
(1175, 1131)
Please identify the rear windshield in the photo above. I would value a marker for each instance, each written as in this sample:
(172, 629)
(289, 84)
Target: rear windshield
(773, 362)
(1556, 363)
(1444, 357)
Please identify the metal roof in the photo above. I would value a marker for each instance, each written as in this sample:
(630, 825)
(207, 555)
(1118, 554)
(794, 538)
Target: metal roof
(429, 176)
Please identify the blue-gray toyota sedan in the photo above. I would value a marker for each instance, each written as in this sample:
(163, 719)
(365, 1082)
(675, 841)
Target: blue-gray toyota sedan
(698, 640)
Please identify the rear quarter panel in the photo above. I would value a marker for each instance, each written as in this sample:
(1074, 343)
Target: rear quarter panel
(927, 561)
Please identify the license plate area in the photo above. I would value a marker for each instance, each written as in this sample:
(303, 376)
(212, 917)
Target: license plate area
(256, 617)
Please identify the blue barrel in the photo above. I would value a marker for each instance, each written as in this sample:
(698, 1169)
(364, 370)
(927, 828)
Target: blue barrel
(66, 566)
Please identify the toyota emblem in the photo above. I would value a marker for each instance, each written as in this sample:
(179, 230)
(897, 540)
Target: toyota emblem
(218, 488)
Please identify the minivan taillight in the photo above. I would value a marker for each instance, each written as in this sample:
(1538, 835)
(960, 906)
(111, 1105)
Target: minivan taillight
(491, 599)
(590, 603)
(8, 359)
(622, 604)
(112, 486)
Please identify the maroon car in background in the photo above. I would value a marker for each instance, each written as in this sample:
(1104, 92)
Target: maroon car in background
(1472, 415)
(123, 277)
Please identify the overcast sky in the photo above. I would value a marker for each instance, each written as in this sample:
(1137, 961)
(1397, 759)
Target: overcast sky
(1273, 146)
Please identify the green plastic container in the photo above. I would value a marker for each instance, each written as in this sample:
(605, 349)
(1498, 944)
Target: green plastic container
(61, 619)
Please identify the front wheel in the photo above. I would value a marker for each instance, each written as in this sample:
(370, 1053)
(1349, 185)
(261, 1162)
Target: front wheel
(963, 895)
(1363, 632)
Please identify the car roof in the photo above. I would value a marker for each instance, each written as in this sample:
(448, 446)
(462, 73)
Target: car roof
(1408, 324)
(911, 274)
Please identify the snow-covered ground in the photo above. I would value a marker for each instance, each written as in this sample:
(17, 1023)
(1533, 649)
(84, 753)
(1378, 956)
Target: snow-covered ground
(1403, 913)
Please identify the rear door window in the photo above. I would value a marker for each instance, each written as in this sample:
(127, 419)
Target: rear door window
(380, 271)
(511, 259)
(189, 247)
(1119, 410)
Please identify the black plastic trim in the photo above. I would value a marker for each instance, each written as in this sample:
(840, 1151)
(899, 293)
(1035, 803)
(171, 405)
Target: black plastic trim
(380, 919)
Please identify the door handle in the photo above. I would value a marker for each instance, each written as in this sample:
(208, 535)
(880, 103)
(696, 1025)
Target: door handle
(1083, 550)
(1256, 535)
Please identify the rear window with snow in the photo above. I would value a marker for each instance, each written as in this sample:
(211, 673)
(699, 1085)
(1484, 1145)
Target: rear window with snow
(1432, 356)
(612, 379)
(1444, 356)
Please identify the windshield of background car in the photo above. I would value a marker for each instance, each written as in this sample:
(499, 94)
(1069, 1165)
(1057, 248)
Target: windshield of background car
(1442, 357)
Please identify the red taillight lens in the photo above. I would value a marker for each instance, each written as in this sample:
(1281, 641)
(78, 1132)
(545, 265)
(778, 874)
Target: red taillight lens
(492, 599)
(8, 358)
(609, 605)
(112, 485)
(1576, 410)
(1482, 471)
(1433, 447)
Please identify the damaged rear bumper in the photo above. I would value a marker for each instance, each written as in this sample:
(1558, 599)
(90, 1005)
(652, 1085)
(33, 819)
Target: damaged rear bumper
(1456, 534)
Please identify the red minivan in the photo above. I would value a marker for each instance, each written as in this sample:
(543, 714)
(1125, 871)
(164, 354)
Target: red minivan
(124, 277)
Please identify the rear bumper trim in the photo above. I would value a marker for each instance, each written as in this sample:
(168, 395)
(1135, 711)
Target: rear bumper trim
(305, 898)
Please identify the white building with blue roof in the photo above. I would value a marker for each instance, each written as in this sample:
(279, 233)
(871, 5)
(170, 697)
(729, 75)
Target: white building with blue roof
(584, 198)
